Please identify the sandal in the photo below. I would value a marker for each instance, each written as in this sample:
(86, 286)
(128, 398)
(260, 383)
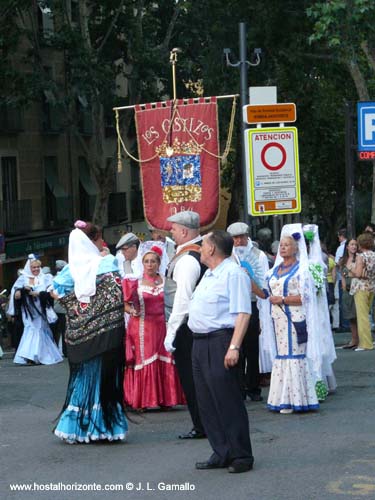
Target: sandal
(349, 346)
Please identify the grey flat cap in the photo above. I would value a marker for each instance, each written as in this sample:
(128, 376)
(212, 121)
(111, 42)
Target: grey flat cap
(186, 218)
(238, 228)
(46, 270)
(60, 264)
(127, 239)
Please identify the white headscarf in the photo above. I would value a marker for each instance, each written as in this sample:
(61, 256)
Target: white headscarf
(322, 322)
(39, 280)
(315, 253)
(84, 259)
(145, 247)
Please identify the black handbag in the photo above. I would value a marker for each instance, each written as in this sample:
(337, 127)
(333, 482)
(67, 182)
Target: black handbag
(301, 328)
(301, 331)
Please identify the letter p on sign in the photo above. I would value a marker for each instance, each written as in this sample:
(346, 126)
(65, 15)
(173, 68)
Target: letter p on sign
(366, 126)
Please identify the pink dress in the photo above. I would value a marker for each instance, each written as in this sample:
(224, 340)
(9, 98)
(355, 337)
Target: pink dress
(151, 378)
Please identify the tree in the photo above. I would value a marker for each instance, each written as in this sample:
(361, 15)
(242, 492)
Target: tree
(99, 42)
(344, 30)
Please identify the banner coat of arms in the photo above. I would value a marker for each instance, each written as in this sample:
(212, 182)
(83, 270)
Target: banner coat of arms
(179, 153)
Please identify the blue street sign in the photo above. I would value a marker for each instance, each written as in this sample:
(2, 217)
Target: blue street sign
(366, 126)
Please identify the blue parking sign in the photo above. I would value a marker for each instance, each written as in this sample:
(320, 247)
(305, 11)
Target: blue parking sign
(366, 126)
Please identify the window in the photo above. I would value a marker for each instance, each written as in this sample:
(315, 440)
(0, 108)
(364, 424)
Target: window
(87, 190)
(84, 117)
(58, 205)
(45, 21)
(51, 110)
(9, 179)
(51, 116)
(16, 214)
(74, 12)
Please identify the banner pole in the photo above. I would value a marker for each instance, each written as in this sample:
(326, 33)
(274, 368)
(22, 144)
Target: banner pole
(132, 106)
(173, 61)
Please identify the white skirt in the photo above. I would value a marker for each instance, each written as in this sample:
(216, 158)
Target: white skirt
(292, 386)
(37, 345)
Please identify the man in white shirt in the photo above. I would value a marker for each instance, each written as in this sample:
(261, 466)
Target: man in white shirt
(219, 315)
(183, 273)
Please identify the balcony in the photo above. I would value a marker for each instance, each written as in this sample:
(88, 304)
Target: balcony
(16, 216)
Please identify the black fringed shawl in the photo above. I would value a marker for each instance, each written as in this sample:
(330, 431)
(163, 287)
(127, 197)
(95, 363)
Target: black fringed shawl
(98, 326)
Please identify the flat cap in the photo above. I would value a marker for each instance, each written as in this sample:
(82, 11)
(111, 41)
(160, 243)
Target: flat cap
(127, 239)
(186, 218)
(46, 270)
(238, 228)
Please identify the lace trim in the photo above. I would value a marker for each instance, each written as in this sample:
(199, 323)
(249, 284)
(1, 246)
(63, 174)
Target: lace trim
(73, 438)
(78, 409)
(151, 360)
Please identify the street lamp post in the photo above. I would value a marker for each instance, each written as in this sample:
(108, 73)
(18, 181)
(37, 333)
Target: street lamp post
(243, 64)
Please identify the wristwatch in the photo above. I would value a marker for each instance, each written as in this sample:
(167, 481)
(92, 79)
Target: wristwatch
(234, 347)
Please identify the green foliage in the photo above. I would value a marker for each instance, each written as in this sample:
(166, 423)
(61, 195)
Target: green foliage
(304, 45)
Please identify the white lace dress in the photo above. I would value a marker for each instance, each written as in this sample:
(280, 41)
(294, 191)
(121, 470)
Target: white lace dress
(292, 385)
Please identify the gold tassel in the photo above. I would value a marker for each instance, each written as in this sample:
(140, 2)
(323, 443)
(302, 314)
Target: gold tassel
(119, 160)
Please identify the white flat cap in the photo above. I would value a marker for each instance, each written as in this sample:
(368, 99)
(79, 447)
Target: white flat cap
(60, 264)
(127, 239)
(186, 218)
(238, 228)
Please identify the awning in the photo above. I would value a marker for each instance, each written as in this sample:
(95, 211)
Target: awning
(54, 184)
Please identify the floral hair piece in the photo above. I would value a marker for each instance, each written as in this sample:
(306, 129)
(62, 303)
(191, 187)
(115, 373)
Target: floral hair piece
(296, 236)
(80, 224)
(309, 235)
(156, 250)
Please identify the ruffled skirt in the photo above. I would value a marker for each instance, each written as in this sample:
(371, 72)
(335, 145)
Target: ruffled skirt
(292, 386)
(37, 345)
(83, 418)
(154, 385)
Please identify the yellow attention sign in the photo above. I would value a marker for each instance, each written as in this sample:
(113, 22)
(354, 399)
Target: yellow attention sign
(272, 168)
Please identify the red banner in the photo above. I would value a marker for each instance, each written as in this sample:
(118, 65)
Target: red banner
(178, 148)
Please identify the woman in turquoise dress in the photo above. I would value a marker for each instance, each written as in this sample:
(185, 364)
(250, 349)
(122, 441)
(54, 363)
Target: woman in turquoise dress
(89, 288)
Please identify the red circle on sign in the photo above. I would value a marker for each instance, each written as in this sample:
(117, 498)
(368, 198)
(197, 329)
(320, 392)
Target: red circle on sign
(263, 156)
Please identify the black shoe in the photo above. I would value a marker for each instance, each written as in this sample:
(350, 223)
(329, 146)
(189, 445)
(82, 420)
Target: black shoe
(237, 467)
(193, 434)
(208, 465)
(254, 396)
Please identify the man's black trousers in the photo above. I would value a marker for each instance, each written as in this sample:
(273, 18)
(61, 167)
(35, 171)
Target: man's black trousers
(221, 406)
(183, 344)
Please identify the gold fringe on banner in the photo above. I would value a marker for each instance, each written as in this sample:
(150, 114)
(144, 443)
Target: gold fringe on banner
(222, 157)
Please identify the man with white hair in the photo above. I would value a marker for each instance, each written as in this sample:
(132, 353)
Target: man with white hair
(250, 348)
(183, 274)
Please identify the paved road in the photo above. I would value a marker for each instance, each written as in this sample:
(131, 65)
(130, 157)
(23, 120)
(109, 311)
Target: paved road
(329, 454)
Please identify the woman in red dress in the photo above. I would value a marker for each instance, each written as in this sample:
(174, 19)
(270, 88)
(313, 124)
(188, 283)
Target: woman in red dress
(151, 379)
